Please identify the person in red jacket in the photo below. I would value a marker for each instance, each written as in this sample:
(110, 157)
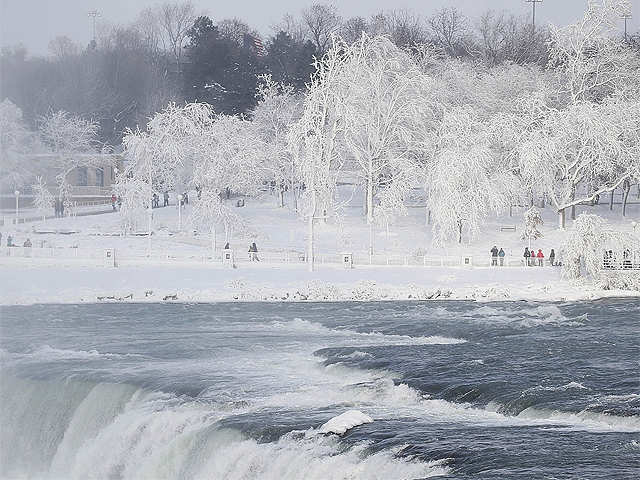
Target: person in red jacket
(540, 258)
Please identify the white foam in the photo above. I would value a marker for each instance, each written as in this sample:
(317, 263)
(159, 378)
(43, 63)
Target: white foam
(46, 352)
(568, 386)
(345, 421)
(368, 338)
(584, 420)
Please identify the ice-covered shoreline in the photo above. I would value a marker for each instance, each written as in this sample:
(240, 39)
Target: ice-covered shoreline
(30, 284)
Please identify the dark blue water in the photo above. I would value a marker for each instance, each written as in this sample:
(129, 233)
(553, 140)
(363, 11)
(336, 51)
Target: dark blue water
(455, 389)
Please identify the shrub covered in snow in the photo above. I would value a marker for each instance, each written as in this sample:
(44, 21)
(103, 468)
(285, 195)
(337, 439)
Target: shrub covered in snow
(593, 250)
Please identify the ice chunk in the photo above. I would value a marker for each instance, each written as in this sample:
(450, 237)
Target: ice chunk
(345, 421)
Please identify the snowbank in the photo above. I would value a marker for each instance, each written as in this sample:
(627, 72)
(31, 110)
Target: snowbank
(50, 283)
(346, 421)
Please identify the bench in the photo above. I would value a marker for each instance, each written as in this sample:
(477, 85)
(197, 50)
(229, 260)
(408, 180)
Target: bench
(508, 228)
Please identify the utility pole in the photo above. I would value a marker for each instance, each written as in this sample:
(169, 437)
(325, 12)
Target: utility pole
(626, 16)
(533, 4)
(93, 14)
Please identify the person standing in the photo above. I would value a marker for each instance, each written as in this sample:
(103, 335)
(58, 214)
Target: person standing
(526, 256)
(113, 201)
(494, 256)
(552, 258)
(540, 258)
(9, 241)
(166, 198)
(501, 255)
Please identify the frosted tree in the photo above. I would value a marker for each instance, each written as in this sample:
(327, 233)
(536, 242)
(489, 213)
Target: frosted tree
(15, 139)
(591, 247)
(43, 198)
(159, 156)
(532, 221)
(278, 107)
(133, 193)
(313, 138)
(581, 152)
(377, 107)
(592, 60)
(228, 157)
(464, 183)
(73, 141)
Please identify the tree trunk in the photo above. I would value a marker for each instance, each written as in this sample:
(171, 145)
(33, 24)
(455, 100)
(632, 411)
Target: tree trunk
(213, 241)
(281, 194)
(626, 188)
(370, 213)
(561, 219)
(611, 199)
(460, 232)
(310, 243)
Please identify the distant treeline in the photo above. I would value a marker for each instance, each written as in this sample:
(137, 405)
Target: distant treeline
(171, 53)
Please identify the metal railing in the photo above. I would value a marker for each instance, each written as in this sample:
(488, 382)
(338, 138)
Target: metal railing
(293, 257)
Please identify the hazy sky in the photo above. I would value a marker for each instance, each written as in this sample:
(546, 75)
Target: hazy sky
(35, 22)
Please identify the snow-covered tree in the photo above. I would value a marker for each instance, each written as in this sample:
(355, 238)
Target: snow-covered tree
(464, 181)
(73, 141)
(158, 157)
(591, 247)
(228, 158)
(590, 57)
(278, 107)
(313, 139)
(583, 151)
(532, 220)
(377, 108)
(43, 198)
(15, 139)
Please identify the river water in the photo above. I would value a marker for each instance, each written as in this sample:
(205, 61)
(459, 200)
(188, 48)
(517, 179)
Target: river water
(511, 390)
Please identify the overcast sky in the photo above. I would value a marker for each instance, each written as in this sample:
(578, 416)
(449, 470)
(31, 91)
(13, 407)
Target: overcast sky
(35, 22)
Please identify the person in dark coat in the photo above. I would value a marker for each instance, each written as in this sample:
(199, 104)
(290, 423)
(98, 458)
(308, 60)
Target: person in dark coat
(494, 256)
(253, 252)
(27, 243)
(226, 246)
(166, 199)
(501, 255)
(552, 257)
(527, 256)
(10, 241)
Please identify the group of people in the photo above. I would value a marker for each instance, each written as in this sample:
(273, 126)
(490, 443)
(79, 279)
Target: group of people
(116, 201)
(155, 200)
(58, 207)
(27, 242)
(530, 257)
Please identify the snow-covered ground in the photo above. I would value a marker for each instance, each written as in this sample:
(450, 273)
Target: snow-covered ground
(195, 275)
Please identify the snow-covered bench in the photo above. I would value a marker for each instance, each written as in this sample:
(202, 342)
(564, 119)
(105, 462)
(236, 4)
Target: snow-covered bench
(508, 228)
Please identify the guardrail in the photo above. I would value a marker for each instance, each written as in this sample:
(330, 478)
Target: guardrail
(126, 256)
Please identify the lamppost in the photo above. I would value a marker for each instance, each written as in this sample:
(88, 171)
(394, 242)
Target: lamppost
(180, 212)
(17, 194)
(533, 4)
(626, 16)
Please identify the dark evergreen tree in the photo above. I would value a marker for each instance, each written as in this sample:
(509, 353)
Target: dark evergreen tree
(219, 71)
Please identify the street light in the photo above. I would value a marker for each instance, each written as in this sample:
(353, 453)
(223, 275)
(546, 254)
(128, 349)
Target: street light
(180, 212)
(17, 194)
(626, 16)
(533, 2)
